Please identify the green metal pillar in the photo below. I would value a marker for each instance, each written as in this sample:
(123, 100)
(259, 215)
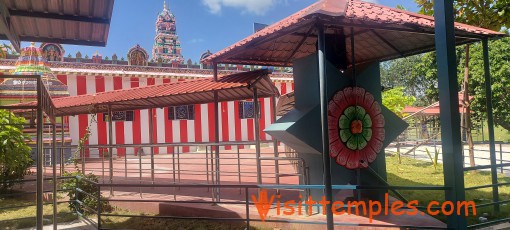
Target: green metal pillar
(39, 157)
(490, 124)
(216, 135)
(323, 87)
(449, 105)
(54, 178)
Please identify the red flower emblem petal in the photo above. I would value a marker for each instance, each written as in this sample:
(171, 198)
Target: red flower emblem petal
(336, 148)
(341, 159)
(353, 161)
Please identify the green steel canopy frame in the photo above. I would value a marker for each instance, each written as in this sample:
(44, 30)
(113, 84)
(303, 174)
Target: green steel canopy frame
(310, 31)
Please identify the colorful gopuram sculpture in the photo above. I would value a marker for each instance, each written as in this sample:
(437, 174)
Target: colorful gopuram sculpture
(167, 48)
(30, 62)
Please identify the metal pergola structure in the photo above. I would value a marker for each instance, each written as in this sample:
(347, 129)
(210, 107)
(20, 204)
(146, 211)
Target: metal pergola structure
(326, 16)
(44, 108)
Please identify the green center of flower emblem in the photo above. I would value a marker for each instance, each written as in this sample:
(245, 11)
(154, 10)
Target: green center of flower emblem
(355, 127)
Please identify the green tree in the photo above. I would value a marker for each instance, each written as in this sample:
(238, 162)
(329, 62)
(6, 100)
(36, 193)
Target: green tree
(489, 14)
(416, 74)
(395, 100)
(14, 152)
(499, 58)
(399, 72)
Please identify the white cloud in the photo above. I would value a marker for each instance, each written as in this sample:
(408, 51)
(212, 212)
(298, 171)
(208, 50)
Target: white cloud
(258, 7)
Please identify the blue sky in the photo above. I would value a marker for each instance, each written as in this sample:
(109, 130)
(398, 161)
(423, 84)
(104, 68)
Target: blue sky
(201, 24)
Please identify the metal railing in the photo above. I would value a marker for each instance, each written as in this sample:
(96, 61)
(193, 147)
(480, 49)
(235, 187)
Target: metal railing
(246, 202)
(128, 163)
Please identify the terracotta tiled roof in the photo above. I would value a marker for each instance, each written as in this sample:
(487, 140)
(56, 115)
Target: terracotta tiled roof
(433, 109)
(285, 104)
(380, 33)
(231, 87)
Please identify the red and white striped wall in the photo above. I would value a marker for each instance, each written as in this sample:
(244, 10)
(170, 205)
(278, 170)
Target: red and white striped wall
(231, 127)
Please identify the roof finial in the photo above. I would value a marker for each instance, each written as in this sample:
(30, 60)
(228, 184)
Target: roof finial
(164, 4)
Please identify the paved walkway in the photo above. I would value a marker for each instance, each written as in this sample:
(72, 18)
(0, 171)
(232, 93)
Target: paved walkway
(482, 154)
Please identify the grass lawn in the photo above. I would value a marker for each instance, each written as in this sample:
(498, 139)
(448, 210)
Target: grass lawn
(421, 173)
(24, 217)
(154, 223)
(500, 134)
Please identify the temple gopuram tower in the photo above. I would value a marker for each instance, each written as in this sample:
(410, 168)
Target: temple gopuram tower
(167, 48)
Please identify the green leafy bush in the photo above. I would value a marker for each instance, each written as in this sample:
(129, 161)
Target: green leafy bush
(15, 159)
(90, 201)
(395, 100)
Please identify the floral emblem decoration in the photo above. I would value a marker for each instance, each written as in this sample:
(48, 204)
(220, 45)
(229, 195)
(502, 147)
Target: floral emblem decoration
(356, 128)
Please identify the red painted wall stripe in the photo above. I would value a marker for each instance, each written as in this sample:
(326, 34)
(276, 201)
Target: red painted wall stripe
(283, 88)
(212, 124)
(102, 137)
(184, 134)
(62, 78)
(237, 123)
(119, 126)
(224, 124)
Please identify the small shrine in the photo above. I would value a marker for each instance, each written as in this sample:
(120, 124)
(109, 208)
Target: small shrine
(52, 51)
(138, 56)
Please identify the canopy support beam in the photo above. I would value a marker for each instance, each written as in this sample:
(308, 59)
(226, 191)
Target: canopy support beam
(64, 17)
(453, 165)
(490, 125)
(110, 143)
(39, 158)
(323, 88)
(257, 133)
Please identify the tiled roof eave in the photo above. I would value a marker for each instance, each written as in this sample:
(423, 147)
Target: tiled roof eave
(235, 87)
(361, 15)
